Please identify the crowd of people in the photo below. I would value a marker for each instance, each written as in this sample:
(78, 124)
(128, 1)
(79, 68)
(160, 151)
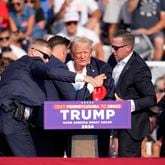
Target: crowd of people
(53, 50)
(97, 19)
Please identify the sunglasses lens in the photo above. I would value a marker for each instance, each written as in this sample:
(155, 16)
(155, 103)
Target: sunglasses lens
(45, 56)
(30, 1)
(161, 90)
(4, 38)
(16, 4)
(115, 48)
(72, 22)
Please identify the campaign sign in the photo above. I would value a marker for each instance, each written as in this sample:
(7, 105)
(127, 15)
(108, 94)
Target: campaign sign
(87, 114)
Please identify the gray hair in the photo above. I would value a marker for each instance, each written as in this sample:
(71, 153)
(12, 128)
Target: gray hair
(78, 40)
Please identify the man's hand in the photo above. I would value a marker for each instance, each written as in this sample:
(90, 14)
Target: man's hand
(89, 79)
(141, 31)
(67, 2)
(99, 80)
(117, 97)
(9, 55)
(131, 101)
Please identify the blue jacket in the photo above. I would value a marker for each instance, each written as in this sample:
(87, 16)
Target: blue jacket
(24, 80)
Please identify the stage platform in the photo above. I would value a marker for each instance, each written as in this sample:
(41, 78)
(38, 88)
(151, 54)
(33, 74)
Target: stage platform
(81, 161)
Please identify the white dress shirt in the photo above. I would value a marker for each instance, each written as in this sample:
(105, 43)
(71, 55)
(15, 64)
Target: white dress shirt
(79, 85)
(117, 71)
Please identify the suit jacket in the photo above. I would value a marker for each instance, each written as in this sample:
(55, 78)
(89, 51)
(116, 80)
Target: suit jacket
(23, 80)
(161, 103)
(161, 120)
(135, 84)
(58, 90)
(95, 68)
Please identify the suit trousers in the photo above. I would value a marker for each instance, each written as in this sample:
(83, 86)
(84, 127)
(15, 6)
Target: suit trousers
(50, 143)
(128, 147)
(15, 136)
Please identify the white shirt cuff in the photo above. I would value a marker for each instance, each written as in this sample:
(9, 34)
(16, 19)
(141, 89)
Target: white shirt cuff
(90, 87)
(79, 77)
(27, 112)
(132, 106)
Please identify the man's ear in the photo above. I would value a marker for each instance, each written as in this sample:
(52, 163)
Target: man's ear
(129, 48)
(65, 50)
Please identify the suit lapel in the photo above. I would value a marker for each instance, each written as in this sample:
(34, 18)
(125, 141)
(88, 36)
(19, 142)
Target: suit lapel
(125, 69)
(92, 69)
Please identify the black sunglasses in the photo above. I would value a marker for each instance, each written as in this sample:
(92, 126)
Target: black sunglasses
(4, 38)
(45, 56)
(161, 90)
(32, 1)
(71, 22)
(16, 4)
(116, 48)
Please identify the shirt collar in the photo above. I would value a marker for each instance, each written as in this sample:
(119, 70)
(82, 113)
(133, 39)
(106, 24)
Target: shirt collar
(70, 65)
(125, 60)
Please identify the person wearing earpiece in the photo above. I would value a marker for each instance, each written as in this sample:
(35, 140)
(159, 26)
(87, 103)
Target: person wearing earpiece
(21, 91)
(133, 82)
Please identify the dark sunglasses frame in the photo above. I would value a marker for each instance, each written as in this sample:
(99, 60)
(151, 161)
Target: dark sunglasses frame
(71, 22)
(16, 4)
(45, 56)
(4, 38)
(32, 1)
(116, 48)
(160, 90)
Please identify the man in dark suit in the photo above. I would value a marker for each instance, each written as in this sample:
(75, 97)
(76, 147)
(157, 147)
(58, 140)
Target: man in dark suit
(53, 142)
(161, 124)
(81, 49)
(21, 89)
(133, 82)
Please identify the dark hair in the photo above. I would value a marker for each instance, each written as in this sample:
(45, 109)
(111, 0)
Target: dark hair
(58, 40)
(41, 42)
(127, 37)
(4, 29)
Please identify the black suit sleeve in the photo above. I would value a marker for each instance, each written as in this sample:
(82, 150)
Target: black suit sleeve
(67, 91)
(161, 103)
(145, 88)
(42, 71)
(109, 83)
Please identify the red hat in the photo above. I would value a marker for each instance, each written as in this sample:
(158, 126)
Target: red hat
(99, 93)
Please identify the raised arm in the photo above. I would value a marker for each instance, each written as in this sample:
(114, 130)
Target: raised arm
(43, 71)
(132, 4)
